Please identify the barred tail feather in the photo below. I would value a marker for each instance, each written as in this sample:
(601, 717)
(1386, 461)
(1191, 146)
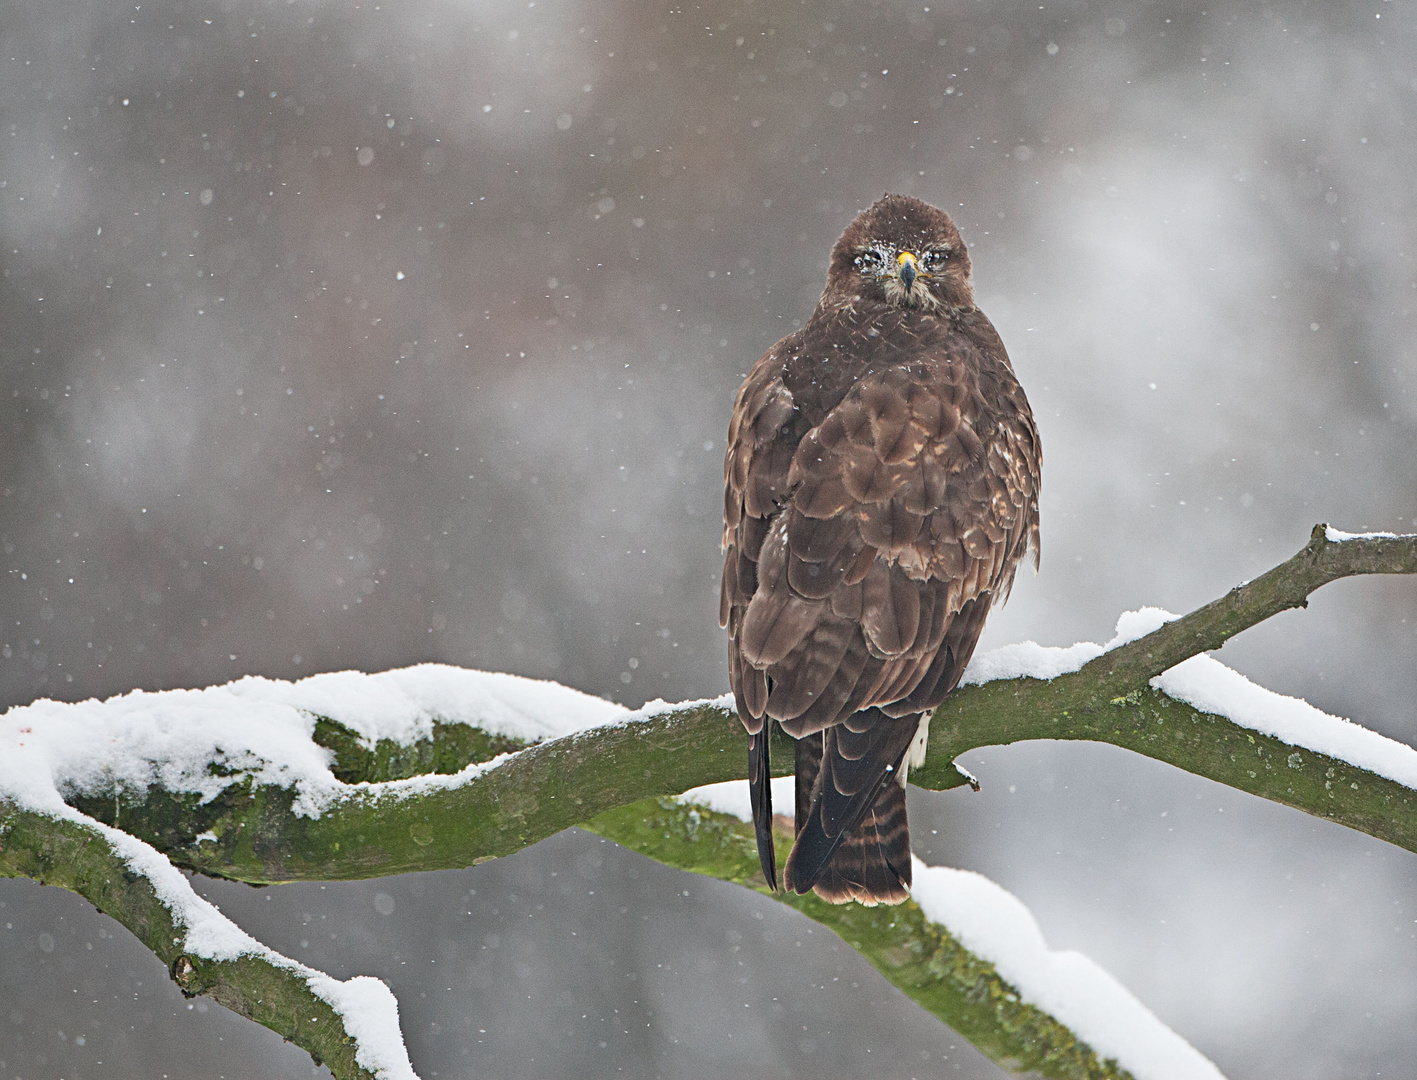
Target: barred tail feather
(807, 766)
(871, 865)
(852, 839)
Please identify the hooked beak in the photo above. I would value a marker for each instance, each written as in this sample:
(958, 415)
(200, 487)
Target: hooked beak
(908, 269)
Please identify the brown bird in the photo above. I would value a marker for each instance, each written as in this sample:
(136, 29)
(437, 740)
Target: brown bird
(881, 486)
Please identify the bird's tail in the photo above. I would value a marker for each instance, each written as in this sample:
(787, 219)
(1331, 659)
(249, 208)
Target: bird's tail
(853, 841)
(871, 865)
(760, 797)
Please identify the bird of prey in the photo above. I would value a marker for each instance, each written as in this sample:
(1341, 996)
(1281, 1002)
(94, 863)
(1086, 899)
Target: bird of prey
(881, 487)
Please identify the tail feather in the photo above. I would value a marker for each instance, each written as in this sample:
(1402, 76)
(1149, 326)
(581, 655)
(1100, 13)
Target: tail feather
(760, 796)
(854, 821)
(871, 865)
(808, 766)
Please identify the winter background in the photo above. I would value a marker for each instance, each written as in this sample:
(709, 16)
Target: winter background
(351, 336)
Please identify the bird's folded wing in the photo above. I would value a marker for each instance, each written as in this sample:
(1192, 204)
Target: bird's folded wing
(890, 517)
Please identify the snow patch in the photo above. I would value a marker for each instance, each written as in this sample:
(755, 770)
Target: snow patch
(263, 728)
(1207, 684)
(1028, 659)
(1337, 536)
(995, 925)
(371, 1017)
(659, 706)
(731, 796)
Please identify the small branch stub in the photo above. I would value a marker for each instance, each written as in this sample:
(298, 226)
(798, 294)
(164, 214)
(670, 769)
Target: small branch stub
(183, 974)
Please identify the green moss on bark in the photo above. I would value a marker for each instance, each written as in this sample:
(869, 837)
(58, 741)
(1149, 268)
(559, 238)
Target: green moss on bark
(919, 957)
(70, 856)
(452, 747)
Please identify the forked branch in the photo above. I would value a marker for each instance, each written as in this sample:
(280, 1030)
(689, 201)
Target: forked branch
(593, 775)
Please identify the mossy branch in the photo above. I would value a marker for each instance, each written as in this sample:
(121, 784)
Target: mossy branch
(1111, 700)
(603, 775)
(922, 959)
(76, 857)
(549, 787)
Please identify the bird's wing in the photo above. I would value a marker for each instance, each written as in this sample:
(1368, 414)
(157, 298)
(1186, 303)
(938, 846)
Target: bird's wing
(914, 496)
(762, 436)
(761, 442)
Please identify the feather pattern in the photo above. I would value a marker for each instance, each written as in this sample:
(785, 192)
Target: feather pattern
(880, 488)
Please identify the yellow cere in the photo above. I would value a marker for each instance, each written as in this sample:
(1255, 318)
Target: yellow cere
(905, 257)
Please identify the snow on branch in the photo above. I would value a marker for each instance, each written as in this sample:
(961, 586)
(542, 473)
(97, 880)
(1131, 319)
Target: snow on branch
(1328, 556)
(347, 775)
(1051, 991)
(200, 744)
(262, 731)
(1151, 690)
(350, 1025)
(995, 925)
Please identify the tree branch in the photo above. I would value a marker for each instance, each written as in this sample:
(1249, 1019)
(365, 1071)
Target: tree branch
(1287, 586)
(380, 829)
(382, 826)
(1110, 700)
(260, 984)
(921, 958)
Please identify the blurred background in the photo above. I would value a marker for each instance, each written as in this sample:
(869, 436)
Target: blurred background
(356, 335)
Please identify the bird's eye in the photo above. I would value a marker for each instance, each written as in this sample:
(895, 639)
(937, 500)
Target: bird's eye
(870, 260)
(936, 258)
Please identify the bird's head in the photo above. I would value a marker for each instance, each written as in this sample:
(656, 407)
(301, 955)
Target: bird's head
(901, 252)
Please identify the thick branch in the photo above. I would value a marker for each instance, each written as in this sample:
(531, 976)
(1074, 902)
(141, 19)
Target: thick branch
(1110, 700)
(532, 795)
(552, 786)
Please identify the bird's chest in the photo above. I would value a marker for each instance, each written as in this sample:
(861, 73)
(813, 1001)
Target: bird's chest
(826, 368)
(823, 372)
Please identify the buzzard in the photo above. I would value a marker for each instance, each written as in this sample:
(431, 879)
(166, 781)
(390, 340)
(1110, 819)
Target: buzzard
(880, 487)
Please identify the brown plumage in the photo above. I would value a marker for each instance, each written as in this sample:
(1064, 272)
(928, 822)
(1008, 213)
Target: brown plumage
(881, 486)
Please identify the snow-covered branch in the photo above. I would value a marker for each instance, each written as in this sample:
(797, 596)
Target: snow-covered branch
(964, 948)
(1151, 690)
(347, 775)
(352, 1026)
(1328, 556)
